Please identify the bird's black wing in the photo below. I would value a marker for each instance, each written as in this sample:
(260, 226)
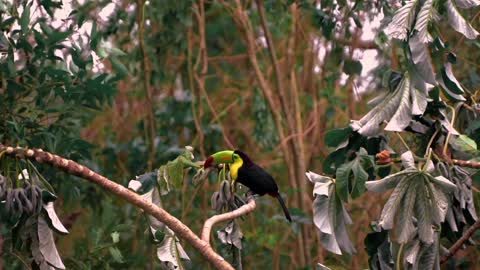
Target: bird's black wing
(257, 180)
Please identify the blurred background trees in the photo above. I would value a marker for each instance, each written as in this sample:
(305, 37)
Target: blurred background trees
(123, 86)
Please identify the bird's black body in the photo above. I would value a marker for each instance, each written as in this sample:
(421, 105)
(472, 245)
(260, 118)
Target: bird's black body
(259, 181)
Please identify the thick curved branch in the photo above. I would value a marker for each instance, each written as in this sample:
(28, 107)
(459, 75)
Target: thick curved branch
(453, 249)
(243, 210)
(74, 168)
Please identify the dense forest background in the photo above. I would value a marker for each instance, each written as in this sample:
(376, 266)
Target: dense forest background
(122, 87)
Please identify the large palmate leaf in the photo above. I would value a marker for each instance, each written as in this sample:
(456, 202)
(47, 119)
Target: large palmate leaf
(351, 176)
(396, 108)
(458, 22)
(417, 196)
(463, 207)
(402, 21)
(330, 216)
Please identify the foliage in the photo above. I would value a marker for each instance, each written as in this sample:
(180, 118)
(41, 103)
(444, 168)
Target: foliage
(431, 195)
(84, 84)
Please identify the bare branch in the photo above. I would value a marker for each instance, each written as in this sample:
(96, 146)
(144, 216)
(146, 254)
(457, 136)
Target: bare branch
(147, 70)
(243, 210)
(467, 163)
(453, 249)
(73, 168)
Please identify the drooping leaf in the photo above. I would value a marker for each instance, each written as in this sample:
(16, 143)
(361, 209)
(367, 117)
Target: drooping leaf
(396, 108)
(379, 251)
(467, 3)
(231, 235)
(47, 245)
(53, 218)
(450, 80)
(143, 183)
(170, 253)
(330, 216)
(423, 18)
(419, 95)
(458, 22)
(421, 58)
(402, 21)
(417, 196)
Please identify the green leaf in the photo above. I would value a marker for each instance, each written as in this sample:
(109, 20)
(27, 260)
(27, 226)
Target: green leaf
(119, 67)
(338, 136)
(465, 144)
(116, 255)
(94, 36)
(352, 67)
(351, 176)
(55, 36)
(25, 19)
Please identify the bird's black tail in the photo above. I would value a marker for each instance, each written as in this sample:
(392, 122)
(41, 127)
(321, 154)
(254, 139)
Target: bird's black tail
(284, 207)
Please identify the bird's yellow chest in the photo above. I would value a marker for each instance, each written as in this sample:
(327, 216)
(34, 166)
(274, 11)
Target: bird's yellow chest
(234, 167)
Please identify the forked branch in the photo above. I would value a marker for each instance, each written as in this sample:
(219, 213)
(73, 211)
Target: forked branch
(72, 167)
(243, 210)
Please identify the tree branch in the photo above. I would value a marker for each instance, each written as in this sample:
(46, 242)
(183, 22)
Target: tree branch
(72, 167)
(243, 210)
(467, 163)
(453, 249)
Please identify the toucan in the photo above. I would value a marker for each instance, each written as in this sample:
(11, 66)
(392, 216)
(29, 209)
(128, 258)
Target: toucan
(246, 172)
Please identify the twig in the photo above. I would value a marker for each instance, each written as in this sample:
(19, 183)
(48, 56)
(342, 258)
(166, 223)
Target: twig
(1, 252)
(243, 210)
(467, 163)
(146, 80)
(445, 147)
(73, 168)
(453, 249)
